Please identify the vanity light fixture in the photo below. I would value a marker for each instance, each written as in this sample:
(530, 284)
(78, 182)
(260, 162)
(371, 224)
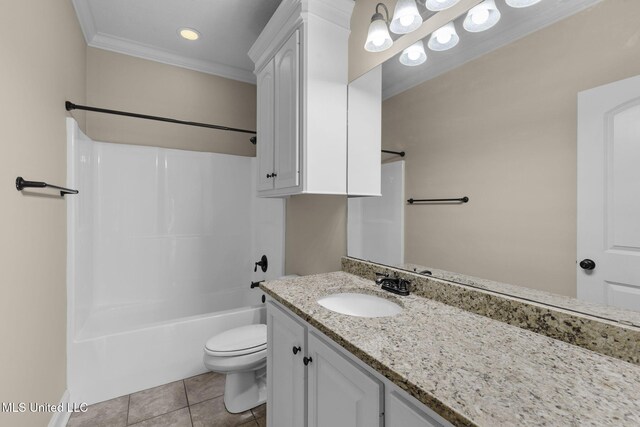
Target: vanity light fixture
(444, 38)
(482, 17)
(438, 5)
(413, 55)
(189, 34)
(521, 3)
(378, 38)
(406, 17)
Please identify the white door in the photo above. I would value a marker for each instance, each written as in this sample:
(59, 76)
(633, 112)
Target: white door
(287, 81)
(265, 126)
(341, 394)
(286, 385)
(609, 194)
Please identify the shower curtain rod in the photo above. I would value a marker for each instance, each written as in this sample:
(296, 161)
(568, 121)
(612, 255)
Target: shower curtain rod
(71, 106)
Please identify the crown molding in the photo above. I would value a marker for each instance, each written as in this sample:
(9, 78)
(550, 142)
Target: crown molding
(85, 18)
(289, 15)
(132, 48)
(139, 50)
(286, 17)
(335, 11)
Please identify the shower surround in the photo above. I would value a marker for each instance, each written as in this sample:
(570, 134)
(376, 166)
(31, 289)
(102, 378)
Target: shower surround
(161, 251)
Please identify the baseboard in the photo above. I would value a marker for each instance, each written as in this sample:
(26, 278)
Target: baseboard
(60, 419)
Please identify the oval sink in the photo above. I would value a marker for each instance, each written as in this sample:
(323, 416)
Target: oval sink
(361, 305)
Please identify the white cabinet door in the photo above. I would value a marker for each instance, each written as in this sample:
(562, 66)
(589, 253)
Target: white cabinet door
(287, 93)
(341, 394)
(265, 130)
(400, 412)
(286, 385)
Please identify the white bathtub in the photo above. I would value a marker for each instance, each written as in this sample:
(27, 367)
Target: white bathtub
(108, 366)
(160, 254)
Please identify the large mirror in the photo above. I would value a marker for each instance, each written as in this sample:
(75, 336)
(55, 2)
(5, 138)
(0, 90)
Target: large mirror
(537, 122)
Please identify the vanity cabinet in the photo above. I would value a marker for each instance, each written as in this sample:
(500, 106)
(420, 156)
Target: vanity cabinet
(340, 392)
(313, 382)
(301, 64)
(286, 373)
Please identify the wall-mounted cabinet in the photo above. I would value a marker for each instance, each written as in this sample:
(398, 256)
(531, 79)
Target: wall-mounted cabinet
(313, 382)
(278, 105)
(365, 135)
(301, 63)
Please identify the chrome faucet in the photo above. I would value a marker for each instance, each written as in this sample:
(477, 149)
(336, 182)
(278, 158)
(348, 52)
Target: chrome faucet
(395, 284)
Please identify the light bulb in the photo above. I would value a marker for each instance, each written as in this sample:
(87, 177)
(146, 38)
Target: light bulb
(521, 3)
(189, 34)
(482, 17)
(444, 38)
(406, 20)
(378, 38)
(413, 55)
(406, 17)
(438, 5)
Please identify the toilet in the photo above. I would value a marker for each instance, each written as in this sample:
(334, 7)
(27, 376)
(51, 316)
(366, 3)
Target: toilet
(241, 354)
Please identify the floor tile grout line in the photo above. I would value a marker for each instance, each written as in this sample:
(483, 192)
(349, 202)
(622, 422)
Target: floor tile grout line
(190, 415)
(186, 395)
(157, 416)
(128, 406)
(184, 383)
(150, 418)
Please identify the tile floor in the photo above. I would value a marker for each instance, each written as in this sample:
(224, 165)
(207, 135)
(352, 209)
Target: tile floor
(192, 402)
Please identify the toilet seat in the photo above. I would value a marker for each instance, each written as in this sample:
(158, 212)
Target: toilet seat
(238, 341)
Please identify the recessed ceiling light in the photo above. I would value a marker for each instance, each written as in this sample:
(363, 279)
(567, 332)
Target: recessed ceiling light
(189, 34)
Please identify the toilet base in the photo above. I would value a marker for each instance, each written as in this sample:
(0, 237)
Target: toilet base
(245, 390)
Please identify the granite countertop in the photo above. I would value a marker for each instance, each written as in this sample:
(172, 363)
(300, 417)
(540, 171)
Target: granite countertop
(470, 369)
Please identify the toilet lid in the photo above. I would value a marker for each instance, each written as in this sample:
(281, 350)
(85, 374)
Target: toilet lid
(238, 341)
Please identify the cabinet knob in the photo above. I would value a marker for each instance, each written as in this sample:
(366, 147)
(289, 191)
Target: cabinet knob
(296, 349)
(306, 360)
(274, 175)
(268, 175)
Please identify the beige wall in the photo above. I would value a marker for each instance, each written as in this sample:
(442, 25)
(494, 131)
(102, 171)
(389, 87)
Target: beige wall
(43, 64)
(502, 130)
(316, 233)
(122, 82)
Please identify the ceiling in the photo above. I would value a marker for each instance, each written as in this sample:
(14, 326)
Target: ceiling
(149, 29)
(514, 24)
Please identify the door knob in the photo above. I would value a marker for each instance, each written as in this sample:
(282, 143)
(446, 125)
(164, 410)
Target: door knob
(587, 264)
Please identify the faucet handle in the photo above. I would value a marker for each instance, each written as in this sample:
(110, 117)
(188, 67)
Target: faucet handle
(380, 277)
(403, 285)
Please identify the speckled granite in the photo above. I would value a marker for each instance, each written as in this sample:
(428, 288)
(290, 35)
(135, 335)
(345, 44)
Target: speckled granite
(627, 317)
(603, 336)
(472, 370)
